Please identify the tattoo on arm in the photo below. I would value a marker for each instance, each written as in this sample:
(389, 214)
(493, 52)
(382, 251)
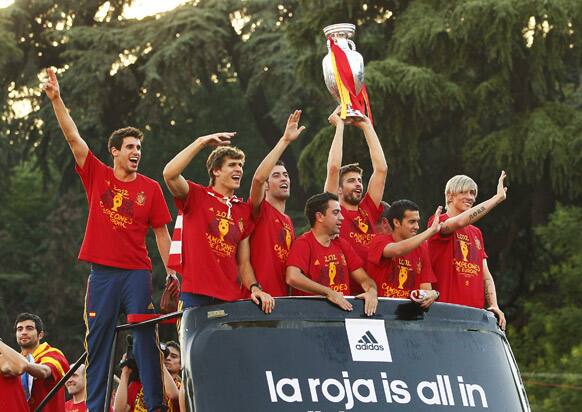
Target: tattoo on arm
(490, 295)
(476, 213)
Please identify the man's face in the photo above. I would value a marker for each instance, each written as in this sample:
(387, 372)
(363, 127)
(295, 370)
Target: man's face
(27, 336)
(462, 201)
(409, 225)
(230, 174)
(129, 155)
(76, 383)
(332, 219)
(279, 185)
(351, 189)
(173, 361)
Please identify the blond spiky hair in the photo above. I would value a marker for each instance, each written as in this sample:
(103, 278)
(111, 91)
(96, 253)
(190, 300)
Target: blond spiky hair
(459, 184)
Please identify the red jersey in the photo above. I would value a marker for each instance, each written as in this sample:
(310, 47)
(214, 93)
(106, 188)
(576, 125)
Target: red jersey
(270, 244)
(135, 397)
(56, 361)
(457, 260)
(120, 214)
(358, 228)
(396, 277)
(330, 266)
(11, 394)
(210, 238)
(71, 406)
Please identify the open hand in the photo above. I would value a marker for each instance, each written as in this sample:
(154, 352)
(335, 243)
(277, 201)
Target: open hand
(436, 223)
(334, 118)
(501, 189)
(292, 131)
(370, 301)
(338, 299)
(217, 139)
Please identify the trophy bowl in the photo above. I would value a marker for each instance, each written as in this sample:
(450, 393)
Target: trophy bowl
(341, 35)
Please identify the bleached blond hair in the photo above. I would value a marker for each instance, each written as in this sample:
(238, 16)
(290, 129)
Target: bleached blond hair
(459, 184)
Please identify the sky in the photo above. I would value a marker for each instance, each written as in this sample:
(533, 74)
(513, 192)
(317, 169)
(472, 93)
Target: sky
(139, 8)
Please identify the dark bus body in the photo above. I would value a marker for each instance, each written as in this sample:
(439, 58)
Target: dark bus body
(308, 356)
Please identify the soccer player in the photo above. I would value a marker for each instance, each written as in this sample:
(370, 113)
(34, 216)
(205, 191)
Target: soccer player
(274, 233)
(383, 225)
(12, 365)
(47, 367)
(322, 264)
(360, 210)
(76, 388)
(216, 226)
(458, 252)
(123, 205)
(399, 262)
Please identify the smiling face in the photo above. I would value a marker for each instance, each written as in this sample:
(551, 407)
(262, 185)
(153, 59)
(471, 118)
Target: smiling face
(278, 184)
(229, 175)
(27, 335)
(76, 383)
(459, 202)
(128, 156)
(331, 220)
(351, 188)
(408, 227)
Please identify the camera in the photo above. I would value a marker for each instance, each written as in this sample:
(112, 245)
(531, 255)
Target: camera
(129, 357)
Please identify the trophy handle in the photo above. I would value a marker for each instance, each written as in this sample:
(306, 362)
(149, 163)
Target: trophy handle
(352, 45)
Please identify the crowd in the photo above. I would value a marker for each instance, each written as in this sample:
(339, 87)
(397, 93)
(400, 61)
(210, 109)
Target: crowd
(229, 249)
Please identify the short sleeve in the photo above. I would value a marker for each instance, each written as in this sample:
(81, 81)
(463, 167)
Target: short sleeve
(439, 237)
(354, 261)
(299, 255)
(427, 274)
(194, 191)
(87, 172)
(160, 214)
(376, 248)
(375, 211)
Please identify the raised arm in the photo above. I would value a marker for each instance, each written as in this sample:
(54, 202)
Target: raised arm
(472, 215)
(334, 159)
(11, 362)
(292, 132)
(408, 245)
(296, 279)
(176, 183)
(380, 168)
(76, 143)
(248, 279)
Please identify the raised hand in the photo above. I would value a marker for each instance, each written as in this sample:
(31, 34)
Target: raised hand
(436, 223)
(217, 139)
(501, 189)
(292, 130)
(334, 119)
(361, 122)
(51, 86)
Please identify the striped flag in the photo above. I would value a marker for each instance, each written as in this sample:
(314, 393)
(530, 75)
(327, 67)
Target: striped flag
(175, 256)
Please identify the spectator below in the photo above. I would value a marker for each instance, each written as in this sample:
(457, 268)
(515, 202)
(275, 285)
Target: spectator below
(76, 388)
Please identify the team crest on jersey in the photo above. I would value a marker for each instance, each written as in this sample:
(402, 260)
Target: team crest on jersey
(140, 199)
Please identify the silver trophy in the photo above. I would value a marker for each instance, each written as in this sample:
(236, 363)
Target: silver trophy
(340, 35)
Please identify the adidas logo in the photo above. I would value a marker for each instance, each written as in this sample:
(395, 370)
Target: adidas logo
(369, 342)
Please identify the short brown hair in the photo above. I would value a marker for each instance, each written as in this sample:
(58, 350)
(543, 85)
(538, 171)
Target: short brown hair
(352, 167)
(318, 203)
(116, 138)
(217, 156)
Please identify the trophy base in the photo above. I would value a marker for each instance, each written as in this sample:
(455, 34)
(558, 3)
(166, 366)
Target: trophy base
(353, 114)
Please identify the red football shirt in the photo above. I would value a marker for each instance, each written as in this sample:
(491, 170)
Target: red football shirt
(135, 397)
(56, 361)
(210, 238)
(396, 277)
(71, 406)
(11, 394)
(457, 260)
(330, 266)
(120, 214)
(358, 228)
(270, 244)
